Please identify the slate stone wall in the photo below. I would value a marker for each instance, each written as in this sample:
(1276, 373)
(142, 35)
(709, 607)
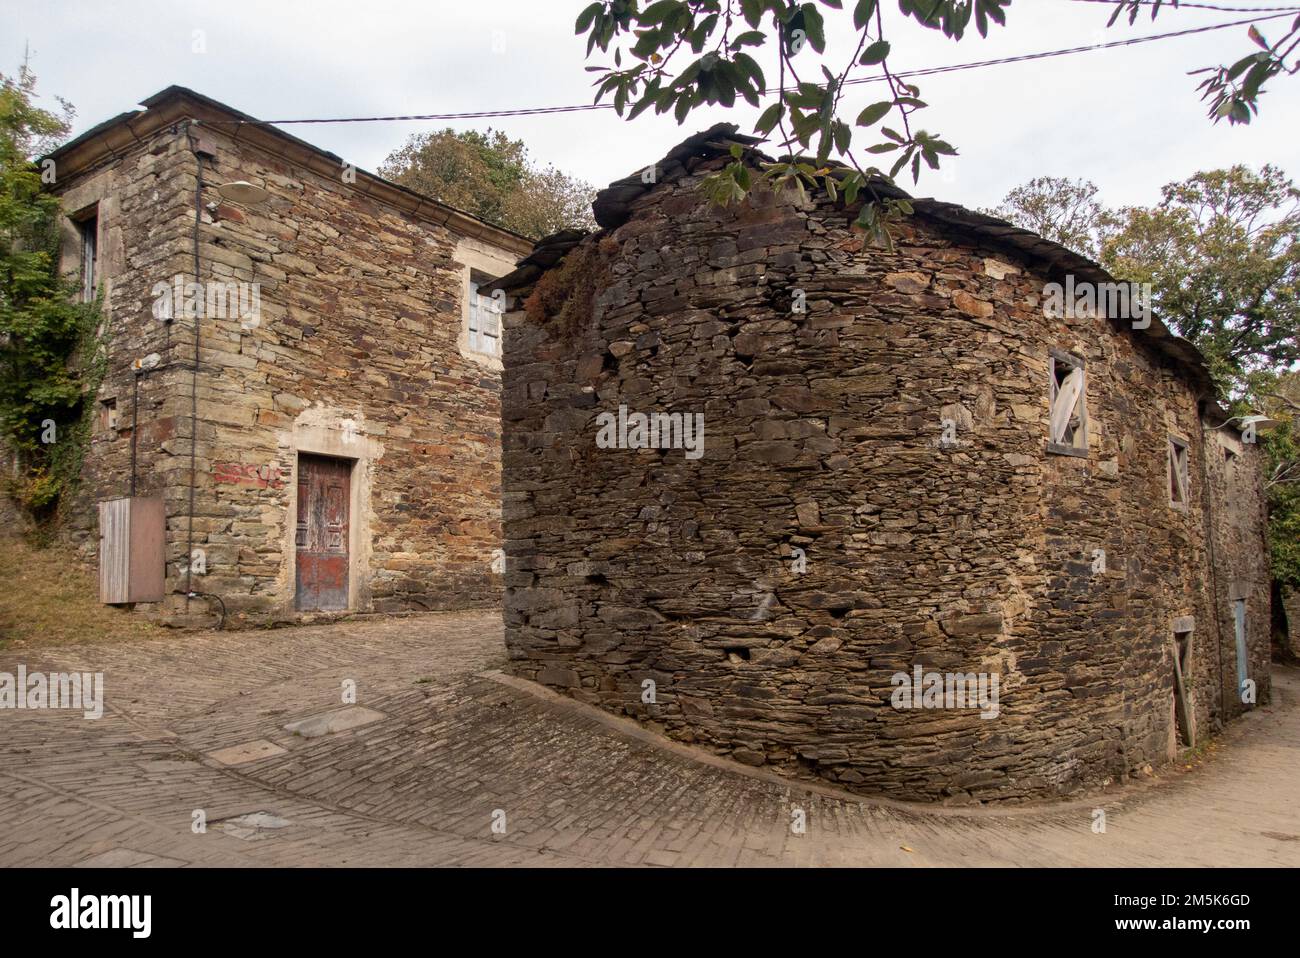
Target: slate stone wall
(639, 571)
(145, 207)
(1286, 640)
(1236, 511)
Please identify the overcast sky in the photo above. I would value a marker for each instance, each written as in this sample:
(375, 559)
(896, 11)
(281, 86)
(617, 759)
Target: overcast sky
(1128, 119)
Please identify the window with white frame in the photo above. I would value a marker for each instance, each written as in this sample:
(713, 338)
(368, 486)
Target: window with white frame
(1068, 427)
(484, 317)
(1180, 476)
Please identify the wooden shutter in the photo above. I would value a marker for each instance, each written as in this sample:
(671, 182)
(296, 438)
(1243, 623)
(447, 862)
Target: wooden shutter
(489, 326)
(1065, 404)
(474, 322)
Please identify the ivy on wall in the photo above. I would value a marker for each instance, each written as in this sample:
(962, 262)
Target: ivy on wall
(52, 347)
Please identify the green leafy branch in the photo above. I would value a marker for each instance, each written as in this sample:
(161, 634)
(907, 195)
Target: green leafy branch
(678, 55)
(1233, 92)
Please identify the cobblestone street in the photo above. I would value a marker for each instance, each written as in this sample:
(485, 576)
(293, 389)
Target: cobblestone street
(196, 723)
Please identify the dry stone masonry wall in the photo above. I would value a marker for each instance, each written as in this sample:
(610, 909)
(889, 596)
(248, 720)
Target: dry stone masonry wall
(874, 495)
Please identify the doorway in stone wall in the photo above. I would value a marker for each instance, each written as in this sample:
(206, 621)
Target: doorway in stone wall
(1243, 656)
(1184, 718)
(321, 537)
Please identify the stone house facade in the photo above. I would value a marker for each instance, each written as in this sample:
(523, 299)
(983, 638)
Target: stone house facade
(331, 442)
(909, 468)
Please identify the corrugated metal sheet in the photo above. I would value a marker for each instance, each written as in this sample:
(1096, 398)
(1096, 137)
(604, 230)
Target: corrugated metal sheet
(114, 550)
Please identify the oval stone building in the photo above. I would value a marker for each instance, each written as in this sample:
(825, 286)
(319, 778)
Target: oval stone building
(892, 519)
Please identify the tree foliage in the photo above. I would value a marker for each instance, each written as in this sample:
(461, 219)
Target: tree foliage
(47, 354)
(1222, 253)
(1060, 209)
(1233, 92)
(1280, 400)
(491, 176)
(679, 55)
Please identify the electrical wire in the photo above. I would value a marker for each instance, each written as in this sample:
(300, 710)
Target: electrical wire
(1182, 5)
(1131, 41)
(478, 114)
(925, 71)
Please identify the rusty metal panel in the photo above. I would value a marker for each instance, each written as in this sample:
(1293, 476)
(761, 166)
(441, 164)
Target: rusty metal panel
(132, 550)
(321, 535)
(148, 550)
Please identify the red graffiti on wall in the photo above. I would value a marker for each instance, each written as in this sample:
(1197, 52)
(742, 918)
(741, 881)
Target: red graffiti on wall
(250, 475)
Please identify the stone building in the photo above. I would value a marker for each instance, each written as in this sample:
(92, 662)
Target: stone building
(331, 441)
(939, 542)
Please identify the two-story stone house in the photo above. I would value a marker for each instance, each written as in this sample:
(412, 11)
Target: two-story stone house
(301, 404)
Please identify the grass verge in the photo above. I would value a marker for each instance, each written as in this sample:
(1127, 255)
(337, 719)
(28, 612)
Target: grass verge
(47, 598)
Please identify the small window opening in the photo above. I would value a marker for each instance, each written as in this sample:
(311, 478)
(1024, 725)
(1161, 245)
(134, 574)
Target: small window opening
(1069, 406)
(1180, 477)
(108, 415)
(89, 229)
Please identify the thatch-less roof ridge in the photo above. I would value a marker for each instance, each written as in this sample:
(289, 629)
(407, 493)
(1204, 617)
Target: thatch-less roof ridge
(105, 142)
(613, 207)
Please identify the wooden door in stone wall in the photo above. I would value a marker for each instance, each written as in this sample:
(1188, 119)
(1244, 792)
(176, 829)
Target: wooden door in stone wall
(322, 533)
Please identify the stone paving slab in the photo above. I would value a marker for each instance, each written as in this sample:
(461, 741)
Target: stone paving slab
(246, 752)
(454, 767)
(332, 723)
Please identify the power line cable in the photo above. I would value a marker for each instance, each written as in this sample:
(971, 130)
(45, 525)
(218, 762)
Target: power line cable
(1131, 41)
(925, 71)
(1182, 5)
(478, 114)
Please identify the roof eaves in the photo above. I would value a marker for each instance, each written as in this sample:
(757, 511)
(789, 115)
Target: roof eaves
(368, 183)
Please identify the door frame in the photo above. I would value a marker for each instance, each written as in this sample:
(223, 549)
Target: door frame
(317, 432)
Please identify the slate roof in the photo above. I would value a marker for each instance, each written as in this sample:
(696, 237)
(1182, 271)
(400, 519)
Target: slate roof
(103, 142)
(613, 207)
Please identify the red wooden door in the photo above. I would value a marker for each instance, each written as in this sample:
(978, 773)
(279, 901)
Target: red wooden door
(322, 534)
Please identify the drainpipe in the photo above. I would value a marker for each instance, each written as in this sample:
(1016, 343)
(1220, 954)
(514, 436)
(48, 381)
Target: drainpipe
(135, 423)
(194, 371)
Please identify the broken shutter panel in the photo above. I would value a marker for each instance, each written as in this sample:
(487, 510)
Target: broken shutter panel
(1064, 406)
(1178, 472)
